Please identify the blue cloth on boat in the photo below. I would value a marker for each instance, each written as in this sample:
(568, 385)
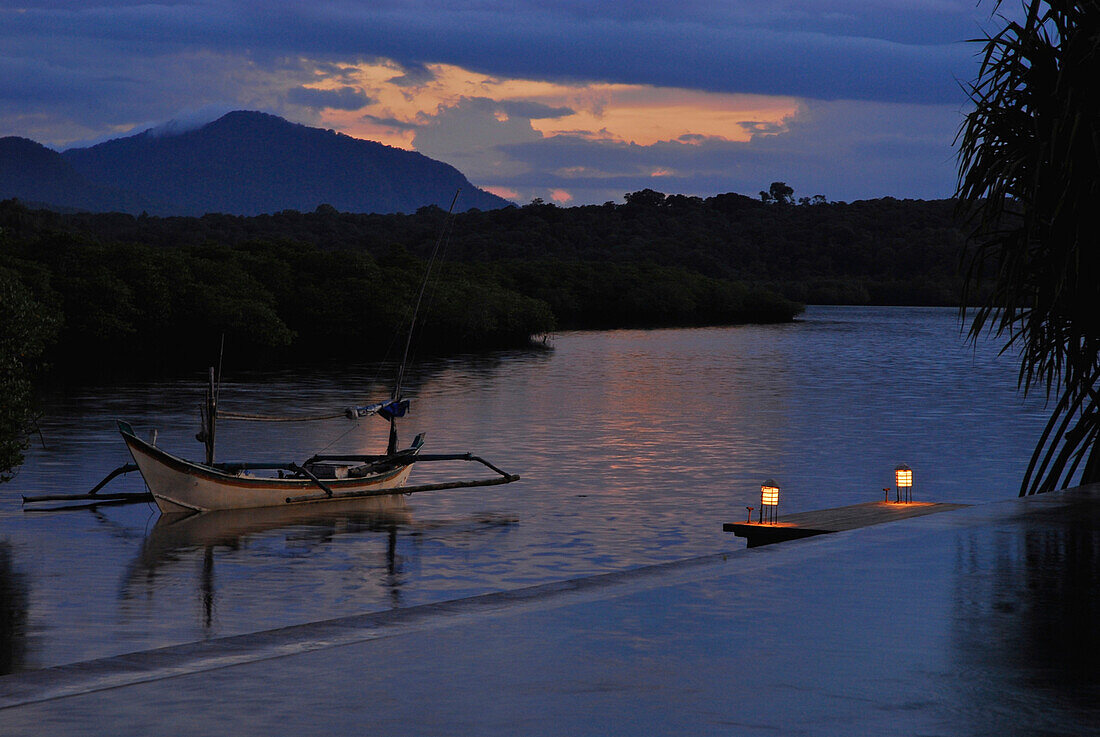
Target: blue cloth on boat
(396, 408)
(387, 410)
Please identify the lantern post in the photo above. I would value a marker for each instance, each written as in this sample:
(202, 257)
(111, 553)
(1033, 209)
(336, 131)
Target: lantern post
(903, 478)
(769, 500)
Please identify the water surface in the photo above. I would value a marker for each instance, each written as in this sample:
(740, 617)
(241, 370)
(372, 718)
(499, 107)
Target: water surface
(634, 447)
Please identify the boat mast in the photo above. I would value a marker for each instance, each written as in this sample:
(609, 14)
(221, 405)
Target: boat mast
(391, 447)
(210, 419)
(209, 409)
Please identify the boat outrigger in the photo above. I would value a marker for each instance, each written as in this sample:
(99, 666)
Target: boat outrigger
(179, 485)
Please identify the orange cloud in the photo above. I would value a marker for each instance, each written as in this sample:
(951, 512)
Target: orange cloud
(638, 114)
(469, 119)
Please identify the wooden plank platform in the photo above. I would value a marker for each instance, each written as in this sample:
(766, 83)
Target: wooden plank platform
(822, 521)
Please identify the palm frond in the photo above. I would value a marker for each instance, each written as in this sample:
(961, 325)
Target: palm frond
(1029, 182)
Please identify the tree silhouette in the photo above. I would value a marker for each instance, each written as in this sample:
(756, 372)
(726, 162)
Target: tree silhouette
(1029, 179)
(26, 327)
(645, 198)
(778, 193)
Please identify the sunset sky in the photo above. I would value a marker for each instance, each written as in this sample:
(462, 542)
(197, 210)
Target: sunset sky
(576, 102)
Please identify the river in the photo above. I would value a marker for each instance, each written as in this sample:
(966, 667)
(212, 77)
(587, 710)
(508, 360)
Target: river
(634, 447)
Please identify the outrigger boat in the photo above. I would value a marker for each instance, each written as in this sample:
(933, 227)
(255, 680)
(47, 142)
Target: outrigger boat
(179, 485)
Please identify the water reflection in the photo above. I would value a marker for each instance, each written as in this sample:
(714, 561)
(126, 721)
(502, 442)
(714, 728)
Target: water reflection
(634, 447)
(1025, 624)
(13, 613)
(175, 537)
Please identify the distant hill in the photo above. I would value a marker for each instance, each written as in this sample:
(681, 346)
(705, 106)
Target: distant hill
(244, 163)
(36, 174)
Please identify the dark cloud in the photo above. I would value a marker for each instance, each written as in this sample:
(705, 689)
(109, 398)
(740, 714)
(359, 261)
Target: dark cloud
(58, 100)
(394, 123)
(334, 72)
(413, 75)
(533, 110)
(344, 98)
(28, 82)
(824, 50)
(756, 126)
(470, 136)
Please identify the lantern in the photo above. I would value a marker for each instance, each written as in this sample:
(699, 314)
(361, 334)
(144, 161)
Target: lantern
(769, 499)
(903, 478)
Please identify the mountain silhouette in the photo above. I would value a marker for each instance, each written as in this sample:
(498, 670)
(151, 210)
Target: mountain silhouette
(244, 163)
(41, 176)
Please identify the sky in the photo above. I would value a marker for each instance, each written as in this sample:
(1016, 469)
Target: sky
(574, 102)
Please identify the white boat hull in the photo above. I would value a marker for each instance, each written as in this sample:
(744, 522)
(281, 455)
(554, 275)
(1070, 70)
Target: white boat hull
(179, 485)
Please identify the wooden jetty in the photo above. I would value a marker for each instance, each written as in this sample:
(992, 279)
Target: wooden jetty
(822, 521)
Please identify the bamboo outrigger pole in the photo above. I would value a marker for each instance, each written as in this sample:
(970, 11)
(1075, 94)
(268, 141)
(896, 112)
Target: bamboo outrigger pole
(504, 478)
(94, 494)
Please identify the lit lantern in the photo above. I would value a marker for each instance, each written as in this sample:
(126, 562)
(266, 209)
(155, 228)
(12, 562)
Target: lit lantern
(903, 478)
(769, 499)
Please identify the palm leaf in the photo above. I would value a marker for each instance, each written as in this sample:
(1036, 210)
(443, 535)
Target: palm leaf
(1029, 184)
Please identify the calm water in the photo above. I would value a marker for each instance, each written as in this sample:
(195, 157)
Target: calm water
(634, 447)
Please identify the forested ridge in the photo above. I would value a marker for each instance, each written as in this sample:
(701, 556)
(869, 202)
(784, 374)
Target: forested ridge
(146, 293)
(882, 251)
(99, 295)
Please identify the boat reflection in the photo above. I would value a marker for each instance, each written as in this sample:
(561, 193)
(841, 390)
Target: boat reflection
(175, 537)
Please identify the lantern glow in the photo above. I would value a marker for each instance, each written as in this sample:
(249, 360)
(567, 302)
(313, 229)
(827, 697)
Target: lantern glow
(903, 479)
(769, 500)
(769, 496)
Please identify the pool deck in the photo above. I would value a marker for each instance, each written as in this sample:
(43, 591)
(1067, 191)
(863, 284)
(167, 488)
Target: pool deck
(975, 621)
